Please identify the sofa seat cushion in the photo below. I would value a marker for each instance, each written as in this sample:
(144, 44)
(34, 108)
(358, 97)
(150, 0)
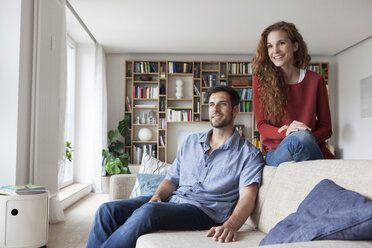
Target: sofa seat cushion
(323, 243)
(247, 237)
(294, 181)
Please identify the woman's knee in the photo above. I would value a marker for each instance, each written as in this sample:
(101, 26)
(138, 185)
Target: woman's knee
(303, 137)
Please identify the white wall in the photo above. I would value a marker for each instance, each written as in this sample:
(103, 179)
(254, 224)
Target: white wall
(16, 20)
(46, 95)
(355, 135)
(24, 92)
(10, 24)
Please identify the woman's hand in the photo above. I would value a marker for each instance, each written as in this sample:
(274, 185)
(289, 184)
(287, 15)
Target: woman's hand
(296, 126)
(281, 129)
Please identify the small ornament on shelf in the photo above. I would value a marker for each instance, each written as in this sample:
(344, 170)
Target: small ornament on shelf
(179, 89)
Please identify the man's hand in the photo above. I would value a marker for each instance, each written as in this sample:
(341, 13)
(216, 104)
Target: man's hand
(155, 198)
(243, 209)
(163, 191)
(223, 234)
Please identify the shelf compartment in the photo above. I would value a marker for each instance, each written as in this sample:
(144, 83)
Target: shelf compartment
(182, 99)
(145, 99)
(145, 82)
(146, 125)
(145, 107)
(144, 142)
(181, 74)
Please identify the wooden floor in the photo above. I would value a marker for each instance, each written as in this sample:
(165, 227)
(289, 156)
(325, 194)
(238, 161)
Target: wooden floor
(74, 231)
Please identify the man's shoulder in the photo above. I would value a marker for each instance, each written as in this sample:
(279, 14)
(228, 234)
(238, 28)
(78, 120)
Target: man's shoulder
(198, 136)
(246, 146)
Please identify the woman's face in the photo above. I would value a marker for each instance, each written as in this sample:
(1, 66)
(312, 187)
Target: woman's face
(281, 49)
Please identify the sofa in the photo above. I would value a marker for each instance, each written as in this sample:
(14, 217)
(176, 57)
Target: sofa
(283, 188)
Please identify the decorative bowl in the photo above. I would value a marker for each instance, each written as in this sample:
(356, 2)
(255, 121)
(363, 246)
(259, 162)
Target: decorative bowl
(145, 78)
(145, 134)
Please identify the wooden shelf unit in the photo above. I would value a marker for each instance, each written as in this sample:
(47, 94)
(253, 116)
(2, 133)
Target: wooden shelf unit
(197, 77)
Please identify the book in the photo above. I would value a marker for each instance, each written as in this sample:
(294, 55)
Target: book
(26, 189)
(128, 102)
(196, 90)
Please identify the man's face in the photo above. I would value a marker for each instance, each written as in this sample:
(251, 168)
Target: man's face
(221, 113)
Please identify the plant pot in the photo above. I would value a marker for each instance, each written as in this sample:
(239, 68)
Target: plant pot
(105, 184)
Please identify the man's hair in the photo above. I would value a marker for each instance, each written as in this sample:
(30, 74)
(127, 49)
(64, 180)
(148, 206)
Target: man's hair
(234, 96)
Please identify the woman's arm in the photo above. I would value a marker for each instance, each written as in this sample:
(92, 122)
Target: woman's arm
(263, 126)
(324, 124)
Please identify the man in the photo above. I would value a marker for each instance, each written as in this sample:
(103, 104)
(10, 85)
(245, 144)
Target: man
(214, 172)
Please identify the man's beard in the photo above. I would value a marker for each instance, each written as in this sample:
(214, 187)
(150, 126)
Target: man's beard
(227, 121)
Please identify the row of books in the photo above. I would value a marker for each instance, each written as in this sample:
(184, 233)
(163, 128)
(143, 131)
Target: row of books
(27, 189)
(145, 67)
(139, 150)
(245, 93)
(145, 92)
(162, 123)
(197, 107)
(240, 68)
(162, 140)
(179, 115)
(128, 106)
(210, 80)
(323, 70)
(245, 106)
(179, 67)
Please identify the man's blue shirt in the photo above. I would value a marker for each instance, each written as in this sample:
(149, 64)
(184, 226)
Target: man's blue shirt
(212, 182)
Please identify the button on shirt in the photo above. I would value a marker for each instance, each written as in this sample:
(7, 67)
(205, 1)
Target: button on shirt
(212, 181)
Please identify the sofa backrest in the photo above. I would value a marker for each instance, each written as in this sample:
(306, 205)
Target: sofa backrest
(288, 185)
(267, 176)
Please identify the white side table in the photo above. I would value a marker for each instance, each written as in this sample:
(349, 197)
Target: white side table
(24, 220)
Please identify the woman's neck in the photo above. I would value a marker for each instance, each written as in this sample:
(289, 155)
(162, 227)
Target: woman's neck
(291, 74)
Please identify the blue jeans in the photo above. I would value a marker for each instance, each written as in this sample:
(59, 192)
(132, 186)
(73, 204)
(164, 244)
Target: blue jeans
(298, 146)
(120, 223)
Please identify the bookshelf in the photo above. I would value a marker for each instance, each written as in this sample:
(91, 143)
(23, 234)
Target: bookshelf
(152, 99)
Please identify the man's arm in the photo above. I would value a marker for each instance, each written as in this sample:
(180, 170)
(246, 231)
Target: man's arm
(164, 190)
(245, 206)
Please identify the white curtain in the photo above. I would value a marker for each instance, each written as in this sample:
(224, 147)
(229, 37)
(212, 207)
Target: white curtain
(56, 211)
(91, 115)
(101, 115)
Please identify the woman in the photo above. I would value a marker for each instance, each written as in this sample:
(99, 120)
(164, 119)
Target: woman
(290, 103)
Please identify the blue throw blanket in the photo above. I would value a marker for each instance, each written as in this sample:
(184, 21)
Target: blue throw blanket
(329, 212)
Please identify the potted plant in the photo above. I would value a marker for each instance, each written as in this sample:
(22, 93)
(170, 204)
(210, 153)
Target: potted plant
(114, 158)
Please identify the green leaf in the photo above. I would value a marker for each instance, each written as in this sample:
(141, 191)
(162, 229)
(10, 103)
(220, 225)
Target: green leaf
(123, 127)
(124, 159)
(113, 166)
(113, 135)
(117, 147)
(69, 151)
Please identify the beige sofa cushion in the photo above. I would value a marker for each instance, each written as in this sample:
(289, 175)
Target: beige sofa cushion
(293, 182)
(197, 239)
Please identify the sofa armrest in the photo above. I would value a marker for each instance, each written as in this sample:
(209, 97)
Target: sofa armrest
(121, 186)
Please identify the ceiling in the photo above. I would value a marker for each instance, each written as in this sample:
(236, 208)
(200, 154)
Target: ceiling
(217, 26)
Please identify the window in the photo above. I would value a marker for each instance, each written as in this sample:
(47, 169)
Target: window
(70, 107)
